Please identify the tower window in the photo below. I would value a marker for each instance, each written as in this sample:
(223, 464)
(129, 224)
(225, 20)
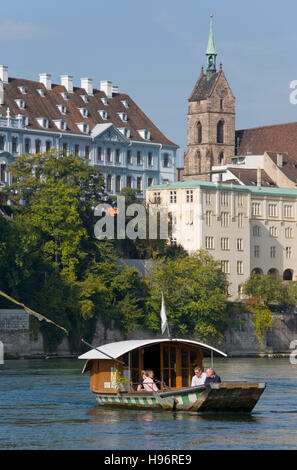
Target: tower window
(220, 132)
(221, 105)
(199, 132)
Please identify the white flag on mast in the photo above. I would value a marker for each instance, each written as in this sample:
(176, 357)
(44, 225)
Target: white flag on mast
(164, 323)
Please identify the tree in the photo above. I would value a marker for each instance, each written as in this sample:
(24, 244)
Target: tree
(267, 289)
(195, 295)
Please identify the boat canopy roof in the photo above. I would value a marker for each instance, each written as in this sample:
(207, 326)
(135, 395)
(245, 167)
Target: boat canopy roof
(119, 348)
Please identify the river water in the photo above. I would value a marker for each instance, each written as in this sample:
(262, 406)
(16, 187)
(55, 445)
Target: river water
(46, 404)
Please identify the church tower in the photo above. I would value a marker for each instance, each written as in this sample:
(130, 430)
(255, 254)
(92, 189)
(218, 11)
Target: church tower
(211, 119)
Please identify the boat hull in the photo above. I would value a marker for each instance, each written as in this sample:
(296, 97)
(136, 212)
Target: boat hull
(224, 397)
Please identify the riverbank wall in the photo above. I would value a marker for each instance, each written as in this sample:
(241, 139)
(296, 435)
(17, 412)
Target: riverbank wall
(240, 338)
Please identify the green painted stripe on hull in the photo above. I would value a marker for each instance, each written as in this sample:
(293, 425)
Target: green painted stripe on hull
(145, 401)
(185, 399)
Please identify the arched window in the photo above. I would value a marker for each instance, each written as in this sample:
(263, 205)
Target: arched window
(220, 132)
(108, 183)
(288, 275)
(257, 271)
(118, 184)
(273, 272)
(221, 159)
(199, 132)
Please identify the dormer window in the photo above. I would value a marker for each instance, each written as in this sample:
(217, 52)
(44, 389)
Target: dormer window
(83, 127)
(103, 113)
(43, 122)
(123, 116)
(84, 98)
(62, 108)
(104, 101)
(20, 103)
(64, 95)
(84, 112)
(61, 124)
(125, 131)
(22, 89)
(125, 103)
(145, 134)
(41, 92)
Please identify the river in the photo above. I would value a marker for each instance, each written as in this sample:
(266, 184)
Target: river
(46, 404)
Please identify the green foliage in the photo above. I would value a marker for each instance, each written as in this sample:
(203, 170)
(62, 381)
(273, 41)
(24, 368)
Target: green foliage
(195, 294)
(262, 320)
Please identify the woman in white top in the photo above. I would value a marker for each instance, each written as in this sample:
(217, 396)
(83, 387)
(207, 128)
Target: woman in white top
(148, 383)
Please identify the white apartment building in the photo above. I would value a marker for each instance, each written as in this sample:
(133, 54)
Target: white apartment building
(247, 228)
(102, 125)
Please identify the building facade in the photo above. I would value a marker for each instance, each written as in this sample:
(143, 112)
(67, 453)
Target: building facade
(102, 125)
(248, 229)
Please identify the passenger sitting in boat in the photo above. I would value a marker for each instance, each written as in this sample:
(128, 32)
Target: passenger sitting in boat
(142, 378)
(199, 377)
(148, 383)
(212, 377)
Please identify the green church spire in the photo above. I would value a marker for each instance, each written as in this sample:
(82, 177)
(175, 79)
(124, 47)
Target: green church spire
(211, 52)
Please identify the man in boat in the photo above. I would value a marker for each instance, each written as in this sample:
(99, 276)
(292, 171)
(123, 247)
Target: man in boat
(212, 377)
(199, 377)
(148, 383)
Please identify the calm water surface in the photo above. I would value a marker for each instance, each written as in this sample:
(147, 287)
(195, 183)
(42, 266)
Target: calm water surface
(46, 404)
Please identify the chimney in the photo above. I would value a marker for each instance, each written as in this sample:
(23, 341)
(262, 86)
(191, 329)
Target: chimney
(87, 84)
(115, 89)
(46, 80)
(67, 82)
(280, 160)
(1, 93)
(259, 177)
(106, 86)
(4, 73)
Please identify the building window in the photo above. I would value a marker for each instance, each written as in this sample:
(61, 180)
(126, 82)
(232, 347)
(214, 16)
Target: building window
(257, 251)
(221, 158)
(157, 198)
(273, 231)
(139, 182)
(239, 244)
(149, 182)
(166, 160)
(272, 210)
(99, 154)
(220, 132)
(150, 159)
(199, 132)
(288, 211)
(37, 146)
(48, 145)
(240, 200)
(118, 184)
(240, 220)
(129, 182)
(27, 145)
(2, 142)
(138, 158)
(65, 148)
(289, 232)
(225, 216)
(256, 231)
(189, 195)
(209, 243)
(117, 155)
(172, 197)
(14, 144)
(208, 198)
(225, 244)
(256, 208)
(288, 252)
(129, 157)
(272, 252)
(108, 153)
(76, 149)
(225, 266)
(87, 151)
(109, 180)
(221, 105)
(239, 267)
(208, 218)
(224, 198)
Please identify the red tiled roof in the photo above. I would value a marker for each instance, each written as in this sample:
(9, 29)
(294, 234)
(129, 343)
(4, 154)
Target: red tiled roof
(38, 106)
(248, 176)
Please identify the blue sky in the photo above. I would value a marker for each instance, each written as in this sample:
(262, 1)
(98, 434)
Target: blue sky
(154, 51)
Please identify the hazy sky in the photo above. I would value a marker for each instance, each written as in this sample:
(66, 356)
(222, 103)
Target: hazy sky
(154, 51)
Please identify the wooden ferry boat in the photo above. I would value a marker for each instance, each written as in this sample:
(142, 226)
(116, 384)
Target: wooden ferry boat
(115, 370)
